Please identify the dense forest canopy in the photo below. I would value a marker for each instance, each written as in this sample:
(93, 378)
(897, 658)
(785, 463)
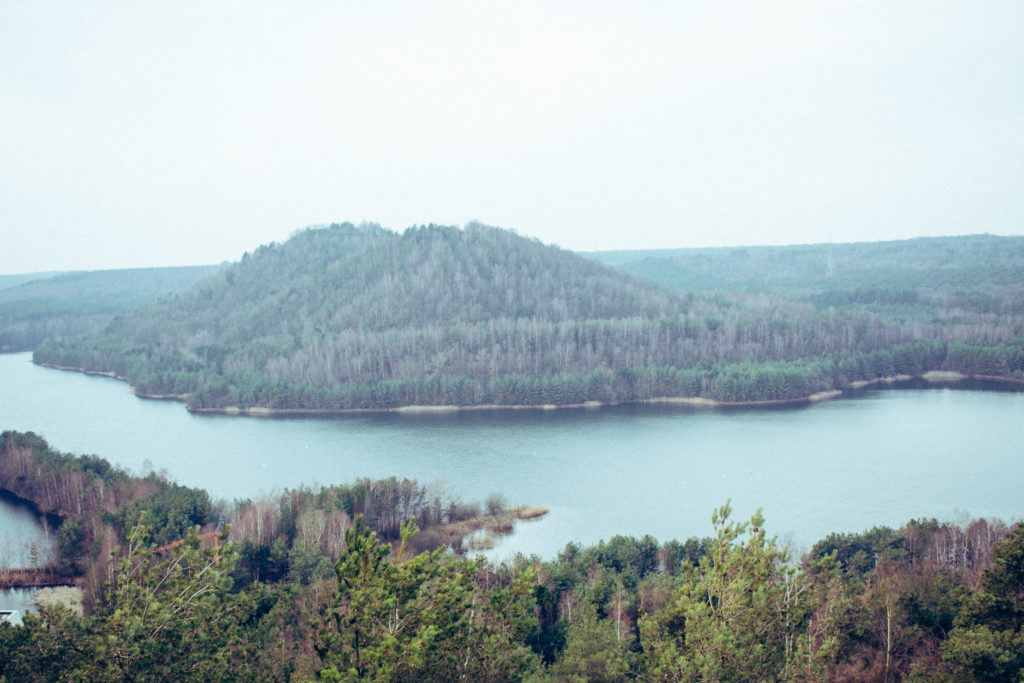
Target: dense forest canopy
(357, 317)
(41, 306)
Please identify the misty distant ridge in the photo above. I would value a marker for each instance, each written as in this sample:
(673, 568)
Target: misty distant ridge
(612, 257)
(8, 281)
(58, 305)
(625, 255)
(790, 270)
(163, 275)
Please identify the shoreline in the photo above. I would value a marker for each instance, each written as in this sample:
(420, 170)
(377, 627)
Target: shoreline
(112, 375)
(53, 518)
(95, 373)
(930, 376)
(691, 401)
(697, 402)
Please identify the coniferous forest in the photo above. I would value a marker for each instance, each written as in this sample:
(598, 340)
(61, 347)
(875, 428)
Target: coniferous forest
(360, 318)
(342, 584)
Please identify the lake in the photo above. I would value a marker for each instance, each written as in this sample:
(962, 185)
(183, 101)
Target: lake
(882, 457)
(25, 539)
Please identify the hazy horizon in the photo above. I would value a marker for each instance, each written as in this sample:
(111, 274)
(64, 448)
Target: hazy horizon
(580, 251)
(162, 135)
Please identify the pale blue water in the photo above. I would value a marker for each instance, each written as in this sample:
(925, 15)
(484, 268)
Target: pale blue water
(25, 539)
(845, 465)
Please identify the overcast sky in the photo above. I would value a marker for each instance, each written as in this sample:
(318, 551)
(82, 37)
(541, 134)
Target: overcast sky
(150, 134)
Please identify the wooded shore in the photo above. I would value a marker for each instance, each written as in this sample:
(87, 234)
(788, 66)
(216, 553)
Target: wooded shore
(930, 376)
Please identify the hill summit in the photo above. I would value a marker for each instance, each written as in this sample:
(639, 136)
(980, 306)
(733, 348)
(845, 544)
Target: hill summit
(349, 316)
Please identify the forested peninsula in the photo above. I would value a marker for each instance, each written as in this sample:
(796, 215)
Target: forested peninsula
(339, 583)
(349, 318)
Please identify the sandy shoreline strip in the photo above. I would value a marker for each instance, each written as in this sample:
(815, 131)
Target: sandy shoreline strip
(932, 376)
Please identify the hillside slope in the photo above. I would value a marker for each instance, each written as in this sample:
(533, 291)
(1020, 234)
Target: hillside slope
(349, 317)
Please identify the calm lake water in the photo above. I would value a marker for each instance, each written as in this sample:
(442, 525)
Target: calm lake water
(883, 457)
(25, 539)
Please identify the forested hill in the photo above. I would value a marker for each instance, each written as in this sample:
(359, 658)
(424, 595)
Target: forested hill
(349, 317)
(35, 307)
(365, 277)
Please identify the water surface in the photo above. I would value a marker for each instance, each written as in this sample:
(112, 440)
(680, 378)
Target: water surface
(846, 465)
(26, 540)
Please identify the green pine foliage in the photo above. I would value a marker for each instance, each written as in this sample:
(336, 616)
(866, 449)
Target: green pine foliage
(733, 615)
(421, 619)
(987, 643)
(159, 620)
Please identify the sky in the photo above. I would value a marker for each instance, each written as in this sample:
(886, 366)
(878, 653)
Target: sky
(188, 132)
